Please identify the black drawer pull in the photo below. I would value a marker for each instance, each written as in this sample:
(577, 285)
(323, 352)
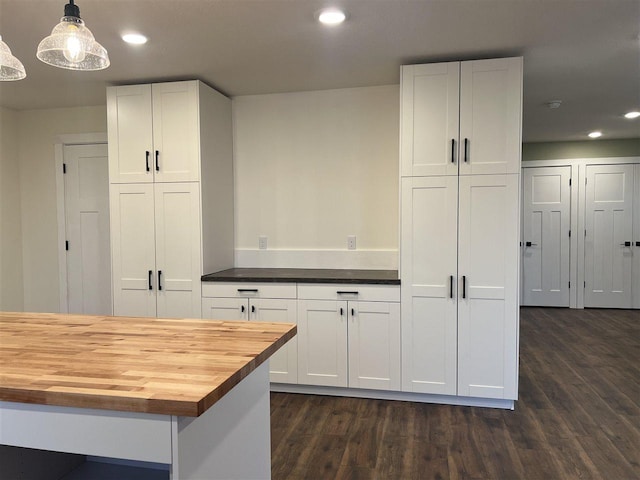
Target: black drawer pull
(253, 309)
(353, 312)
(247, 290)
(242, 308)
(341, 311)
(347, 292)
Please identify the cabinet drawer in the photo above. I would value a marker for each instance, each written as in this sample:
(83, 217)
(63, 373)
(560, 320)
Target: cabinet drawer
(360, 292)
(249, 290)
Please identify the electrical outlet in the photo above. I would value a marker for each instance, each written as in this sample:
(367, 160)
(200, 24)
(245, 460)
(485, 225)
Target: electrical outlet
(262, 242)
(351, 242)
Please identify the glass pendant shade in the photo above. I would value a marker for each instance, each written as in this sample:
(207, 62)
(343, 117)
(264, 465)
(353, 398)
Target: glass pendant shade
(71, 45)
(10, 67)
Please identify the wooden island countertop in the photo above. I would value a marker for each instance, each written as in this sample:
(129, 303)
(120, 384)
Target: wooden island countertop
(167, 366)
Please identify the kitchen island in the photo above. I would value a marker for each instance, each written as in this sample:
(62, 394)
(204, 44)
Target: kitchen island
(192, 395)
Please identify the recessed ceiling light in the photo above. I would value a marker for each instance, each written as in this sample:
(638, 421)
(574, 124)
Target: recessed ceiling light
(632, 115)
(134, 38)
(595, 134)
(332, 16)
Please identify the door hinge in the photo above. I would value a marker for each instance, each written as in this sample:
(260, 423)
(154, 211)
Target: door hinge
(66, 245)
(64, 168)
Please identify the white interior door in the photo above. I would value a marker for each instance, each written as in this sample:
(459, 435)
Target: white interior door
(178, 250)
(133, 250)
(429, 270)
(636, 237)
(546, 241)
(608, 236)
(488, 256)
(283, 365)
(86, 190)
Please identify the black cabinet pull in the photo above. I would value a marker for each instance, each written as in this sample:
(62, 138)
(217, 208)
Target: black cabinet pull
(453, 150)
(529, 244)
(353, 312)
(341, 311)
(247, 290)
(253, 309)
(242, 308)
(150, 275)
(626, 244)
(159, 280)
(451, 286)
(466, 150)
(147, 161)
(637, 244)
(347, 292)
(157, 163)
(464, 286)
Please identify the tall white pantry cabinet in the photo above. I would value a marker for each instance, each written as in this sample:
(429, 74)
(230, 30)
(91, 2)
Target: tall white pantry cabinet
(460, 189)
(171, 195)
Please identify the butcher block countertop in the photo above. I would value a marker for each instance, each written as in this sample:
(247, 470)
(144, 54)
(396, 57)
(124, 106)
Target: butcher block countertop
(165, 366)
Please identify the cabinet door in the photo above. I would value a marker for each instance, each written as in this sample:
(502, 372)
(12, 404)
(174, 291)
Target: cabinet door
(428, 272)
(178, 250)
(133, 250)
(546, 224)
(283, 365)
(176, 136)
(129, 121)
(636, 238)
(374, 345)
(429, 119)
(490, 116)
(322, 343)
(609, 226)
(488, 254)
(225, 308)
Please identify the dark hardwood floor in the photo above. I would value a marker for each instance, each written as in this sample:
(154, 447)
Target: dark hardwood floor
(578, 416)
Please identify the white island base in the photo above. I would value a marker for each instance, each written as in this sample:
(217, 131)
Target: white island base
(230, 440)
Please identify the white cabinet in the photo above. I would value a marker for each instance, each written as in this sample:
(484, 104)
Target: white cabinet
(459, 253)
(429, 272)
(349, 335)
(171, 195)
(259, 303)
(156, 249)
(154, 130)
(461, 117)
(636, 238)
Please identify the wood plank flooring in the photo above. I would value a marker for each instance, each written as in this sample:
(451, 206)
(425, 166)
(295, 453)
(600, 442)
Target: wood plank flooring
(578, 416)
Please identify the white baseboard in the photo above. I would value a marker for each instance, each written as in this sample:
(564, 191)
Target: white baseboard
(355, 259)
(401, 396)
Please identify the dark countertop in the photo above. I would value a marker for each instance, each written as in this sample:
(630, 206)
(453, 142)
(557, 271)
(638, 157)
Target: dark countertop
(304, 275)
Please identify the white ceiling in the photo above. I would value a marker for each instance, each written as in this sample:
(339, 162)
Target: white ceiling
(584, 52)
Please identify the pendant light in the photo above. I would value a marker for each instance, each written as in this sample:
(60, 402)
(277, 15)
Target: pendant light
(71, 44)
(10, 67)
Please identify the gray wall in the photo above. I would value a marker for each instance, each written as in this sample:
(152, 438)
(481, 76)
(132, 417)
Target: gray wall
(628, 147)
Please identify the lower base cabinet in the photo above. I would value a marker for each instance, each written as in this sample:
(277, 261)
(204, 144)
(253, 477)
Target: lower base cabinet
(345, 341)
(258, 303)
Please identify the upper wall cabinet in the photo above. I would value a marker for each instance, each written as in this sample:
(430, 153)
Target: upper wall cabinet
(461, 118)
(154, 133)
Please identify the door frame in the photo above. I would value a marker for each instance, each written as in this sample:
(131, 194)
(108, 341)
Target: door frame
(61, 141)
(577, 213)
